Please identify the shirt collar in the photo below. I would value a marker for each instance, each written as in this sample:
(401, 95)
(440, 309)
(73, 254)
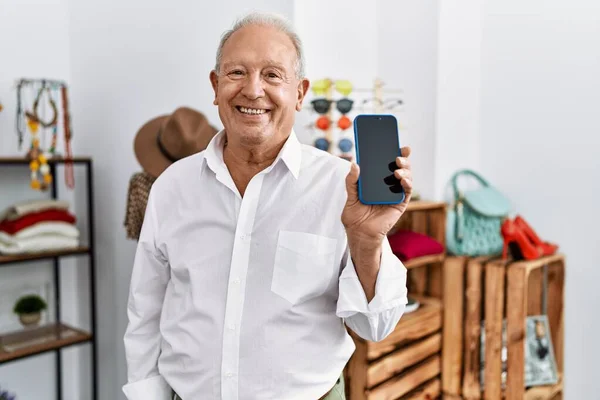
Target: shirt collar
(291, 153)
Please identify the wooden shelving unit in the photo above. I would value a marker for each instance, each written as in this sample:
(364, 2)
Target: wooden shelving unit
(57, 335)
(407, 364)
(25, 343)
(16, 258)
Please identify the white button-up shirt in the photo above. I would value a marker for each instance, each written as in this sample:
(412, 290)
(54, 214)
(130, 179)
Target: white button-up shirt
(245, 298)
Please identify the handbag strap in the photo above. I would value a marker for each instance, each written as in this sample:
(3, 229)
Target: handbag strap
(465, 172)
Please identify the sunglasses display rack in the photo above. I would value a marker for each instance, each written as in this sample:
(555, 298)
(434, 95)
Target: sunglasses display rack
(335, 110)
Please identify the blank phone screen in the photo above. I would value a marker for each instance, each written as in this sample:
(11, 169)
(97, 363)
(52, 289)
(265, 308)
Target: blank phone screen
(377, 146)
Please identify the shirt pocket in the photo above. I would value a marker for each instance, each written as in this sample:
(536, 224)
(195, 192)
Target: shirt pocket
(304, 264)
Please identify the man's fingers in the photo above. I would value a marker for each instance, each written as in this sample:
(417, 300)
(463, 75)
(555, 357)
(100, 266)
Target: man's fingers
(402, 162)
(405, 151)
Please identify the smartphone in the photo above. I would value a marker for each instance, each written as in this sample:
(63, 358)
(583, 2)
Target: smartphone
(377, 146)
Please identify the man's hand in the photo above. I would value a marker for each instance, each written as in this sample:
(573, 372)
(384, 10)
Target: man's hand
(367, 225)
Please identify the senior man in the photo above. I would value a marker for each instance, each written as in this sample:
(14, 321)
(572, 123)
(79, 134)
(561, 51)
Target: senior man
(256, 253)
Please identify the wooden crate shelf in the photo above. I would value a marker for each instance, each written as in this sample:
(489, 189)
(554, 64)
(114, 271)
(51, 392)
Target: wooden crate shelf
(396, 362)
(496, 293)
(424, 261)
(407, 364)
(20, 344)
(401, 385)
(424, 321)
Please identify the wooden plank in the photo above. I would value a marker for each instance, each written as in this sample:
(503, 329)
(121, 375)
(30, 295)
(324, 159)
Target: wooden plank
(426, 320)
(428, 391)
(55, 160)
(435, 280)
(423, 205)
(453, 300)
(402, 359)
(420, 222)
(556, 282)
(403, 384)
(423, 261)
(539, 262)
(494, 315)
(417, 281)
(356, 376)
(471, 388)
(13, 258)
(437, 225)
(515, 331)
(29, 342)
(548, 392)
(534, 290)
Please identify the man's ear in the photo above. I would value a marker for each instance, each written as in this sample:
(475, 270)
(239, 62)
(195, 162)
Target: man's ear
(214, 81)
(302, 89)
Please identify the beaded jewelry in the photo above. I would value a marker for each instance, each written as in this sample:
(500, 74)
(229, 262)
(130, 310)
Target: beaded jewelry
(31, 120)
(38, 160)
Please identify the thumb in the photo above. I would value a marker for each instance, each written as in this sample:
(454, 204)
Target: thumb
(351, 181)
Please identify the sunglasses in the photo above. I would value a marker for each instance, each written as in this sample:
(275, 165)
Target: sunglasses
(345, 145)
(320, 87)
(324, 123)
(388, 104)
(322, 106)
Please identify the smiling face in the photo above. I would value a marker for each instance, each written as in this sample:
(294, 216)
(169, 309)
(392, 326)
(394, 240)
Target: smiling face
(256, 89)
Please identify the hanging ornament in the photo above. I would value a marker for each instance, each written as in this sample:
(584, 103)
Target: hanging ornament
(40, 170)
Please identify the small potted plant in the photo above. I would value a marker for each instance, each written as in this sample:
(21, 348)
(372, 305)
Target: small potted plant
(5, 395)
(29, 309)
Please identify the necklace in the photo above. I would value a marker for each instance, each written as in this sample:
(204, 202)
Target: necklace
(38, 161)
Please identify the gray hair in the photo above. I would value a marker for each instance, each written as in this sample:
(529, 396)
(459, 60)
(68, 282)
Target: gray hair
(270, 20)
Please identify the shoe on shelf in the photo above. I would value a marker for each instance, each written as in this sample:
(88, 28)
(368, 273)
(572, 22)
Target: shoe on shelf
(547, 247)
(521, 247)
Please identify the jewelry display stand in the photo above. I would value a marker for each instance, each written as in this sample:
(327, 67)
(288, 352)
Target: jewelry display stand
(342, 133)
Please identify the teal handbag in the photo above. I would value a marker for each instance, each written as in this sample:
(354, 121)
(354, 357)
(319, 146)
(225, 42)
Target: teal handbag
(473, 222)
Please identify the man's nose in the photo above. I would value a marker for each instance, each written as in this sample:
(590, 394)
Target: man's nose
(253, 87)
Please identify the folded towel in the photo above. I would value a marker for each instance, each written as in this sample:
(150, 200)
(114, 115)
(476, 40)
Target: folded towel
(39, 243)
(29, 206)
(14, 226)
(57, 228)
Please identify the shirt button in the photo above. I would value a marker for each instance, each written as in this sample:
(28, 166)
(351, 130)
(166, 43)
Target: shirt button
(231, 327)
(236, 281)
(229, 374)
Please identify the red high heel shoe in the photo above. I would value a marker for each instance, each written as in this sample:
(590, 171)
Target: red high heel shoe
(547, 247)
(516, 239)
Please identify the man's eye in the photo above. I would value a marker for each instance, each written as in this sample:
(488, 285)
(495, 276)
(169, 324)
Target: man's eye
(272, 75)
(236, 72)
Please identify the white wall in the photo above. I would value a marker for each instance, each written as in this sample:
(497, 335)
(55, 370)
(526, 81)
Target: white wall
(540, 93)
(456, 143)
(130, 62)
(407, 53)
(34, 44)
(379, 45)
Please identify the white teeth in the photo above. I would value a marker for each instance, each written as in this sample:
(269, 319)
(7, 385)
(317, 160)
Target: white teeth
(253, 111)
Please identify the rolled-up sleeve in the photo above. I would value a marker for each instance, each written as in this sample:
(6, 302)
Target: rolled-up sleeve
(149, 280)
(376, 319)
